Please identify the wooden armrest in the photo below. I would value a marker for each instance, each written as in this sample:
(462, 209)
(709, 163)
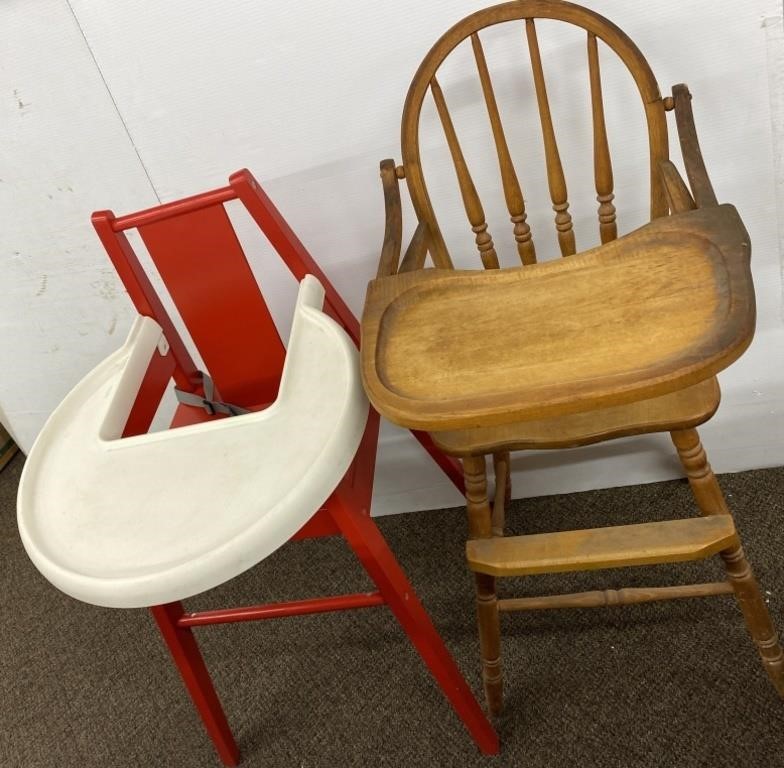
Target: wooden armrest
(417, 249)
(393, 233)
(416, 252)
(677, 192)
(701, 187)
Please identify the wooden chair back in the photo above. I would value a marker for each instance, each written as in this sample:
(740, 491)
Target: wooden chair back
(425, 81)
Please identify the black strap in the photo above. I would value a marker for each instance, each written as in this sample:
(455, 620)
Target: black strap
(207, 402)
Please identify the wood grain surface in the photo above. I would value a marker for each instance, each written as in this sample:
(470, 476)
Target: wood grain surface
(616, 546)
(661, 309)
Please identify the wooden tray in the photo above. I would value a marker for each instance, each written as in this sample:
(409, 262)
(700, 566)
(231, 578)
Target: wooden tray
(660, 309)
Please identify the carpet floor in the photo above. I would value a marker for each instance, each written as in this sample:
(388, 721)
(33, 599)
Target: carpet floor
(663, 684)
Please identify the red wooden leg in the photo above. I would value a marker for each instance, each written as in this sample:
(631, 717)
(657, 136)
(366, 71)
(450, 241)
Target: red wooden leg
(373, 552)
(189, 661)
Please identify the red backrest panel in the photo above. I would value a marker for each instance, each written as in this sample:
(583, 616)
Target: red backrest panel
(204, 268)
(196, 251)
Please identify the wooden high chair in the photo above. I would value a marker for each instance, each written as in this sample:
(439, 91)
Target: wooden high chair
(273, 444)
(622, 339)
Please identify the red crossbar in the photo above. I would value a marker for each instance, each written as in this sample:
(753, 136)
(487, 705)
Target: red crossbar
(277, 610)
(176, 208)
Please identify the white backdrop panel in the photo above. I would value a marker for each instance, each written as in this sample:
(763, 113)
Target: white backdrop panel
(64, 153)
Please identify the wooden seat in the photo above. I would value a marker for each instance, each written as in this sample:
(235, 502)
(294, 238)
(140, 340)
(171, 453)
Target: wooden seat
(686, 407)
(622, 339)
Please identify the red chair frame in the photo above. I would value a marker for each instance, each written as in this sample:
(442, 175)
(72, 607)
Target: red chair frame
(176, 234)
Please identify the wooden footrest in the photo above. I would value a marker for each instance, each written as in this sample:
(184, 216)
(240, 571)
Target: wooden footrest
(614, 547)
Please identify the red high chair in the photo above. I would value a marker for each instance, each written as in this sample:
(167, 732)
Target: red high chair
(197, 254)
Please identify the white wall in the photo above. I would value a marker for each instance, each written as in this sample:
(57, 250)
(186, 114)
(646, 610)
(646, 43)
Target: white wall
(122, 105)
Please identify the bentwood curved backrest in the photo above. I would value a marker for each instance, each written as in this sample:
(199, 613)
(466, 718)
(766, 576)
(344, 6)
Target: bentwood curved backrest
(524, 13)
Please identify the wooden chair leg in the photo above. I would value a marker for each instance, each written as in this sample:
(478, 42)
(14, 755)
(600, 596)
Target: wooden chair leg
(488, 617)
(707, 493)
(503, 491)
(756, 614)
(367, 542)
(508, 496)
(188, 658)
(710, 501)
(477, 503)
(489, 621)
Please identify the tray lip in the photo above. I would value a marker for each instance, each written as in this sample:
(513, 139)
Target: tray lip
(719, 226)
(551, 270)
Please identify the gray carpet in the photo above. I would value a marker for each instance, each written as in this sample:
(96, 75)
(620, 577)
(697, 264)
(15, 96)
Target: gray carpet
(668, 684)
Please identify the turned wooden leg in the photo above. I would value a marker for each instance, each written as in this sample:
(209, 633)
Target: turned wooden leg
(508, 478)
(706, 490)
(477, 504)
(503, 491)
(488, 618)
(490, 641)
(710, 501)
(756, 613)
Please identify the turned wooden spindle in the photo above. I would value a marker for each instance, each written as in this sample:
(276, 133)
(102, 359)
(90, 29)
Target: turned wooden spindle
(477, 504)
(513, 194)
(503, 491)
(602, 166)
(471, 202)
(488, 616)
(508, 484)
(555, 175)
(678, 194)
(612, 597)
(710, 501)
(756, 614)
